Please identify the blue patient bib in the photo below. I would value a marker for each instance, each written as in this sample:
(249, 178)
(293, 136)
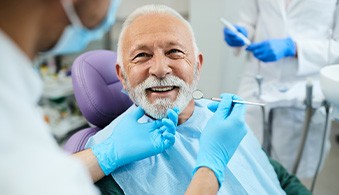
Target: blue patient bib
(248, 172)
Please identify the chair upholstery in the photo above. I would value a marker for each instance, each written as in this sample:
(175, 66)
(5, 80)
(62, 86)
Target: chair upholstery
(97, 91)
(78, 141)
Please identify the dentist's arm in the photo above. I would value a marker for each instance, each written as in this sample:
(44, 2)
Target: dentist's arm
(130, 141)
(204, 181)
(91, 163)
(218, 142)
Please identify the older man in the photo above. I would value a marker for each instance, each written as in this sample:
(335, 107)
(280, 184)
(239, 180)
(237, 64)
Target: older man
(159, 66)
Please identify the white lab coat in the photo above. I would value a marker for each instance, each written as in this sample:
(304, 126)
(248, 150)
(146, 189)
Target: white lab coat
(313, 25)
(30, 160)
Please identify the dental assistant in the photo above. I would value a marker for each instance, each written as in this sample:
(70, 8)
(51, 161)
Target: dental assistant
(291, 41)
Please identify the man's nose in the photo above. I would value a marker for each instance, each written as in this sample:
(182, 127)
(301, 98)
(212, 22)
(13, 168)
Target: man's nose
(160, 67)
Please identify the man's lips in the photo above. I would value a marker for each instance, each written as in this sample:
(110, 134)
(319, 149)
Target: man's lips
(161, 89)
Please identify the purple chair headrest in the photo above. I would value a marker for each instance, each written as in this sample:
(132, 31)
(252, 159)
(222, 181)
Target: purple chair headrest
(97, 88)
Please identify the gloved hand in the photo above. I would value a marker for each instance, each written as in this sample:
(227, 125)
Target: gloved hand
(232, 39)
(222, 135)
(132, 141)
(273, 50)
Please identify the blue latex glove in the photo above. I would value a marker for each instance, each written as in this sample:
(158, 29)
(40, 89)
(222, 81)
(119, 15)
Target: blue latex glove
(132, 141)
(273, 50)
(232, 39)
(222, 135)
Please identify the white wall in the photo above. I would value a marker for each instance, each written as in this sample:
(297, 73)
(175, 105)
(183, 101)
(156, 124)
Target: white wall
(221, 69)
(127, 6)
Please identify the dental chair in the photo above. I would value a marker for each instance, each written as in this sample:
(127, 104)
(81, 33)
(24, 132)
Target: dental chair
(98, 93)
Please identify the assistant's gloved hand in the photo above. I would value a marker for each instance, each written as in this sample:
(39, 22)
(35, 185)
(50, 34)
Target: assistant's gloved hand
(273, 50)
(232, 39)
(222, 135)
(132, 141)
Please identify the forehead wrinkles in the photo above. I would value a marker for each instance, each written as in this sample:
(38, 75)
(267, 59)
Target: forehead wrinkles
(152, 25)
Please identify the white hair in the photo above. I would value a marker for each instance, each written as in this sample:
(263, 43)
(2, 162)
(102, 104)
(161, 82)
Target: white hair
(152, 9)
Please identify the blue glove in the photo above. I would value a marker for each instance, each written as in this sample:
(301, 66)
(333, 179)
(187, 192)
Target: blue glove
(132, 141)
(222, 135)
(273, 50)
(232, 39)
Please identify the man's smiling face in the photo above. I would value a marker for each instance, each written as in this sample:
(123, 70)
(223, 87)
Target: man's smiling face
(160, 69)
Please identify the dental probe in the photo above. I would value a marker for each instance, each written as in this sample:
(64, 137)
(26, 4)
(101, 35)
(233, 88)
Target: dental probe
(198, 94)
(241, 102)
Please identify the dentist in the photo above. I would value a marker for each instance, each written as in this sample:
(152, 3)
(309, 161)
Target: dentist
(31, 161)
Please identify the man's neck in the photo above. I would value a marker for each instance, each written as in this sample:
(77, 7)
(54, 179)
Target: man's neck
(186, 113)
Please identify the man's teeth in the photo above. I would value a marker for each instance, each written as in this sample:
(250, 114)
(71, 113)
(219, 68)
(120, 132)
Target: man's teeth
(161, 89)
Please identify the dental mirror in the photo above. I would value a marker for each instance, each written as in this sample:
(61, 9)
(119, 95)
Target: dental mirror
(198, 94)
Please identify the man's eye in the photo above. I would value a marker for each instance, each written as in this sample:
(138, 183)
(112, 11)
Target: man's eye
(175, 54)
(172, 51)
(141, 56)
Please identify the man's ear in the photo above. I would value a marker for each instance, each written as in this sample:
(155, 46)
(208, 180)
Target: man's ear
(200, 61)
(120, 75)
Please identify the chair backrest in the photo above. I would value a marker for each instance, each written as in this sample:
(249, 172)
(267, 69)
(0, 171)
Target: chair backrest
(97, 91)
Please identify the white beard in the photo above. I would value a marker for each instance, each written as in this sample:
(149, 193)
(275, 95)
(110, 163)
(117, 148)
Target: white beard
(159, 107)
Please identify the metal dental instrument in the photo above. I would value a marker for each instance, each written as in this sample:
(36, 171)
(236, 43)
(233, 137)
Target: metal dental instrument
(197, 95)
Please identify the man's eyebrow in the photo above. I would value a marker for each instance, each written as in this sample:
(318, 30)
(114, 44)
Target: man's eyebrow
(172, 43)
(138, 47)
(145, 47)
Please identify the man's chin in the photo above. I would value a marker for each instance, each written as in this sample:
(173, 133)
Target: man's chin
(157, 111)
(155, 114)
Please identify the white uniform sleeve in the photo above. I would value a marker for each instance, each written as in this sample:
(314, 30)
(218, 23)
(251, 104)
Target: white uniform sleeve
(31, 161)
(314, 53)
